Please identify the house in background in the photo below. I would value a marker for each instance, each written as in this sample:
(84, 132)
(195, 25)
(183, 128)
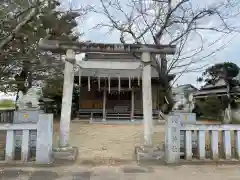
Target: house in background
(181, 96)
(219, 89)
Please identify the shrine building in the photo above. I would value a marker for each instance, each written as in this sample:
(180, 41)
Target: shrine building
(107, 94)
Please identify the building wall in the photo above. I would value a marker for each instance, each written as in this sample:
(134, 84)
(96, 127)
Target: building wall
(93, 99)
(179, 95)
(155, 97)
(90, 99)
(138, 99)
(238, 77)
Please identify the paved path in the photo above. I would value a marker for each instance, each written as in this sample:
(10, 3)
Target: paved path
(124, 172)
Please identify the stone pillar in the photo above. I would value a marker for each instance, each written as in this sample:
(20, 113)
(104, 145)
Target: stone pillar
(172, 140)
(147, 99)
(132, 105)
(104, 104)
(67, 98)
(44, 139)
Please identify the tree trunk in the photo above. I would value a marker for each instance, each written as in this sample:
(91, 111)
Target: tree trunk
(16, 100)
(164, 84)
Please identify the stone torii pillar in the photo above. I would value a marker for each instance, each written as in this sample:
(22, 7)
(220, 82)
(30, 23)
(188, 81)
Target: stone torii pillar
(67, 98)
(147, 98)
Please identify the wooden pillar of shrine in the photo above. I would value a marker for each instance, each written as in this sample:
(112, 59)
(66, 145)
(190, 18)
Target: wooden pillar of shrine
(132, 105)
(104, 104)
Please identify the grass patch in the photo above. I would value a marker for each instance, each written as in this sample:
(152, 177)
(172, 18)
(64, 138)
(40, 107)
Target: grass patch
(7, 104)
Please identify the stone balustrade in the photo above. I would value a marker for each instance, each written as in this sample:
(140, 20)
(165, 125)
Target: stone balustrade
(209, 146)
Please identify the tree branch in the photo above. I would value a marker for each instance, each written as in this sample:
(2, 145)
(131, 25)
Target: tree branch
(30, 15)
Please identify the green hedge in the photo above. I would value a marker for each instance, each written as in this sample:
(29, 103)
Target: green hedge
(7, 103)
(211, 107)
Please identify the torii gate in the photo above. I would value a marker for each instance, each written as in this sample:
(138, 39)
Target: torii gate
(70, 48)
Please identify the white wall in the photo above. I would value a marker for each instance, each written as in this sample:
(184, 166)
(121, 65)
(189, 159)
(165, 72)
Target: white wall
(238, 77)
(10, 96)
(179, 97)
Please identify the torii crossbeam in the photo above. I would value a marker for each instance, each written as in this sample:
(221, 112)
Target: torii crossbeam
(82, 47)
(70, 48)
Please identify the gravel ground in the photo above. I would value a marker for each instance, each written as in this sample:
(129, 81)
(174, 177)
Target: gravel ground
(124, 172)
(97, 141)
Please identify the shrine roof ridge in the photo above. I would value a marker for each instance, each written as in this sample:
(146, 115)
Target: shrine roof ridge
(82, 47)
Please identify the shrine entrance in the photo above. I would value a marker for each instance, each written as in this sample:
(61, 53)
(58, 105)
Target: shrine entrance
(118, 101)
(117, 69)
(118, 105)
(111, 98)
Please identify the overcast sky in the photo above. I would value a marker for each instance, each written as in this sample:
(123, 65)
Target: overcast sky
(230, 52)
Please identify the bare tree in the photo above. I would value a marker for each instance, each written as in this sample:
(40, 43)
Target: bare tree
(170, 22)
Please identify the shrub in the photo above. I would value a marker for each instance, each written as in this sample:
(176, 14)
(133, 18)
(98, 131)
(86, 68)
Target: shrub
(211, 107)
(7, 103)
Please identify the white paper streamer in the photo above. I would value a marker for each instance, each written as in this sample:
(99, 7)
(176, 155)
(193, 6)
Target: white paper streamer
(109, 84)
(119, 84)
(99, 84)
(129, 80)
(89, 83)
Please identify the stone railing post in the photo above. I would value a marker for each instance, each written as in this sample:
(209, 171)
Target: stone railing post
(44, 139)
(172, 139)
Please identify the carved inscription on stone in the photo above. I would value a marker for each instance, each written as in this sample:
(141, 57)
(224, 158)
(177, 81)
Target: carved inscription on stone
(172, 140)
(175, 139)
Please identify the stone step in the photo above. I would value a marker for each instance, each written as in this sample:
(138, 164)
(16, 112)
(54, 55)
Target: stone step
(70, 154)
(148, 153)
